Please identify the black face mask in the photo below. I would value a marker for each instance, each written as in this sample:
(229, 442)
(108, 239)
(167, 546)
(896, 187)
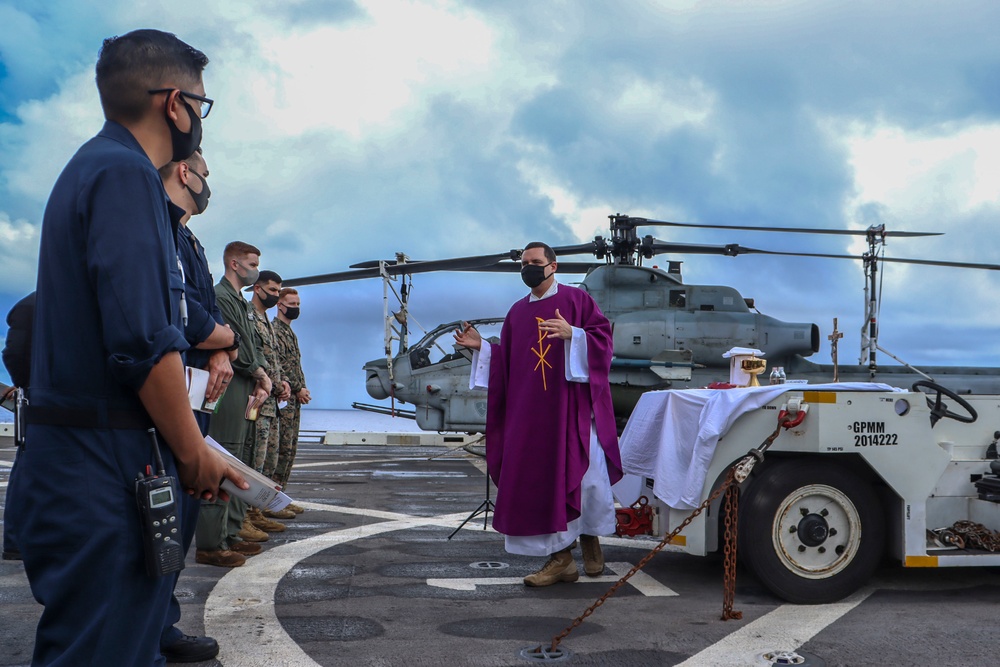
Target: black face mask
(292, 312)
(200, 198)
(533, 275)
(269, 300)
(184, 143)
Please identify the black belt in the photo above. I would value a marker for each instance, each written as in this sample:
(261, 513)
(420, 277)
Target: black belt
(79, 418)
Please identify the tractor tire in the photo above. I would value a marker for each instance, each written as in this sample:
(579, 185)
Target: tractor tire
(812, 531)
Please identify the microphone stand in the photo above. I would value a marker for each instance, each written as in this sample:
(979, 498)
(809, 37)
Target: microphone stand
(484, 508)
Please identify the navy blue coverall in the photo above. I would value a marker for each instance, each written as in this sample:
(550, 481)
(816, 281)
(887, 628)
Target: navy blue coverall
(106, 311)
(202, 315)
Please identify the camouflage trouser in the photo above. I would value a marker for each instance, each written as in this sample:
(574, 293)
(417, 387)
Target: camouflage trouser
(289, 439)
(265, 444)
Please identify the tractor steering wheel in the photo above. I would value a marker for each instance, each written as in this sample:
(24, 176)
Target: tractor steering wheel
(939, 409)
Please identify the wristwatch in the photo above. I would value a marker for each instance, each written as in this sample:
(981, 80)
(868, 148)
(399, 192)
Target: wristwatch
(236, 342)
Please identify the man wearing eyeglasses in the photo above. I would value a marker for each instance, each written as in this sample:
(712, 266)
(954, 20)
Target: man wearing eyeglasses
(107, 365)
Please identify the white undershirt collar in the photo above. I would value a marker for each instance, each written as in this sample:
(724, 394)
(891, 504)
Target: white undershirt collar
(549, 292)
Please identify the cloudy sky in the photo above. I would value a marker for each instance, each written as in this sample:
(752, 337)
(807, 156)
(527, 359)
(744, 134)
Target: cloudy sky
(347, 131)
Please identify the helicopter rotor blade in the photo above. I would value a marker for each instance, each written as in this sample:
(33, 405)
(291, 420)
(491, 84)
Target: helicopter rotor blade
(600, 248)
(484, 263)
(407, 268)
(938, 262)
(794, 230)
(579, 249)
(660, 247)
(500, 266)
(335, 277)
(437, 264)
(565, 268)
(459, 263)
(735, 249)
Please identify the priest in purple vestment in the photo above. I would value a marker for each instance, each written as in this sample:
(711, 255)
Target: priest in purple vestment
(551, 439)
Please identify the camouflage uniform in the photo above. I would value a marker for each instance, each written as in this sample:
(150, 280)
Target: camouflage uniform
(291, 364)
(263, 437)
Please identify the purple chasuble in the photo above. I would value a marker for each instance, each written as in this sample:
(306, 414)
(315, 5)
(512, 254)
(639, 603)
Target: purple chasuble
(538, 423)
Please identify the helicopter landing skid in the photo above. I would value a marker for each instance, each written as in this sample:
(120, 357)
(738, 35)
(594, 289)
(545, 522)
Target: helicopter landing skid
(484, 508)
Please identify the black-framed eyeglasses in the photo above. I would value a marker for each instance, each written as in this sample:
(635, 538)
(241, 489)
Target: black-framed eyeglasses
(204, 103)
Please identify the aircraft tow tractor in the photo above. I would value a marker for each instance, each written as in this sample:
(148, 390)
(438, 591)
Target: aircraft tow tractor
(868, 471)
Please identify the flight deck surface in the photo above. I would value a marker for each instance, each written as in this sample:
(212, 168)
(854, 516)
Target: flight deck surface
(368, 576)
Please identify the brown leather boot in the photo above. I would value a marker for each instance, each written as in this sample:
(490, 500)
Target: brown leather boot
(219, 557)
(560, 567)
(593, 558)
(246, 548)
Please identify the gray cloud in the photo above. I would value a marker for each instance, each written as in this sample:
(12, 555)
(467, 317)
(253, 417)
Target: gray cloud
(722, 113)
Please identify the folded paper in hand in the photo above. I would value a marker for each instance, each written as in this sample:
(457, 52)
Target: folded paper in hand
(197, 386)
(264, 493)
(253, 407)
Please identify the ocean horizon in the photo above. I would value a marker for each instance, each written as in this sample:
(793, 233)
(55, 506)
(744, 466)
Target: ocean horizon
(355, 420)
(359, 421)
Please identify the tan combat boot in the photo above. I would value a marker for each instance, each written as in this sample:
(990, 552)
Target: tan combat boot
(593, 558)
(279, 514)
(561, 567)
(263, 523)
(295, 508)
(251, 534)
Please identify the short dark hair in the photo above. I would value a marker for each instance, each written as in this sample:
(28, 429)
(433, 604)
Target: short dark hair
(131, 65)
(167, 170)
(268, 277)
(549, 252)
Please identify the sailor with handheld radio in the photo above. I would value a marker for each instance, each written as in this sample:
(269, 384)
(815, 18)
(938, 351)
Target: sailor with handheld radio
(107, 365)
(157, 501)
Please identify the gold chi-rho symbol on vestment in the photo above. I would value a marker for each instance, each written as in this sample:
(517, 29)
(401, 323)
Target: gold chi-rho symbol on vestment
(541, 352)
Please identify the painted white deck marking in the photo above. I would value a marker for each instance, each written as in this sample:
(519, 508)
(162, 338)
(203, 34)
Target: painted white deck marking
(247, 629)
(251, 635)
(785, 629)
(642, 582)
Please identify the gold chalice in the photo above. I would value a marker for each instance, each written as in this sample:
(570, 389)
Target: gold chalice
(753, 367)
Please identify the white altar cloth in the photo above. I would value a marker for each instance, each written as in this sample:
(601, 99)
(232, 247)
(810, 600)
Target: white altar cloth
(672, 434)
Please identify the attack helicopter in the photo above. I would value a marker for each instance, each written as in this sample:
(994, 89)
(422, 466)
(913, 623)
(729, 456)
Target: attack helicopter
(667, 334)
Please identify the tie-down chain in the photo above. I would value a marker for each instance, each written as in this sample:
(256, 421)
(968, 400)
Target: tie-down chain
(737, 473)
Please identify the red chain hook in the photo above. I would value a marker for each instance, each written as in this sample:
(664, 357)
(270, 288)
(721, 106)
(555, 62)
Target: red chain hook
(791, 423)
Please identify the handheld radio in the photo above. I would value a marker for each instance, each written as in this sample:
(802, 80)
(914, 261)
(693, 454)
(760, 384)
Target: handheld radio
(161, 529)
